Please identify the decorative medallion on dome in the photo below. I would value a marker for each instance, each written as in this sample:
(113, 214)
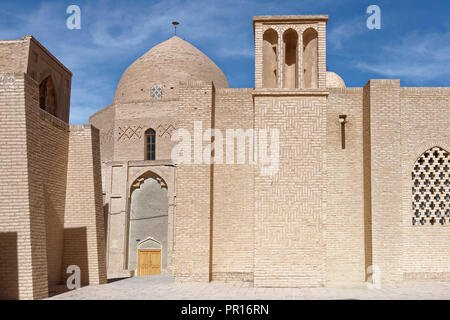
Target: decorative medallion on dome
(156, 91)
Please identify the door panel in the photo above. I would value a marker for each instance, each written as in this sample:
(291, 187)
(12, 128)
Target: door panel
(149, 262)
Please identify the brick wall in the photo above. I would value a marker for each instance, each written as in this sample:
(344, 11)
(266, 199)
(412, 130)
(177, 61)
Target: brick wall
(54, 145)
(233, 239)
(345, 197)
(22, 224)
(83, 223)
(385, 145)
(425, 115)
(192, 245)
(290, 206)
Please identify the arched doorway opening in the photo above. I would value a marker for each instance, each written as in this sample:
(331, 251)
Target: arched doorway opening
(310, 58)
(290, 40)
(148, 225)
(270, 59)
(47, 96)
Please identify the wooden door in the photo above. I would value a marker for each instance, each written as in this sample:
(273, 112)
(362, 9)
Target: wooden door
(149, 262)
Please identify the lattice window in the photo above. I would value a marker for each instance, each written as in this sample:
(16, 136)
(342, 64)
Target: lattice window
(156, 91)
(431, 188)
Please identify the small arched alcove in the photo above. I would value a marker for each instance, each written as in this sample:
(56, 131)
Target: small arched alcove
(148, 219)
(270, 58)
(290, 40)
(47, 96)
(310, 58)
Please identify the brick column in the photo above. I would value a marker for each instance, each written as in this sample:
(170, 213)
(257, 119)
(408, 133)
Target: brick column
(192, 248)
(382, 97)
(23, 258)
(84, 243)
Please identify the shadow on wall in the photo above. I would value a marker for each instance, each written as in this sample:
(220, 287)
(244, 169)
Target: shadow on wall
(76, 253)
(9, 267)
(54, 234)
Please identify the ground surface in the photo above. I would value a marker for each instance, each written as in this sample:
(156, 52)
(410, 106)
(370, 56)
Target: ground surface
(164, 287)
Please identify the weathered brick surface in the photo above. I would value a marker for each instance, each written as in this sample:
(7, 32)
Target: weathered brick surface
(192, 243)
(83, 223)
(233, 238)
(23, 273)
(290, 205)
(34, 148)
(345, 197)
(385, 122)
(425, 123)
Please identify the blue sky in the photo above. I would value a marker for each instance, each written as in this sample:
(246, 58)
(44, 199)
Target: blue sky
(413, 43)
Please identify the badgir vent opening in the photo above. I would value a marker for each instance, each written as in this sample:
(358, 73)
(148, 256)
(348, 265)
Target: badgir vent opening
(363, 173)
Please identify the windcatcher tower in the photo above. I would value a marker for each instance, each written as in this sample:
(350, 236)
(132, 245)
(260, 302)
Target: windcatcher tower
(290, 51)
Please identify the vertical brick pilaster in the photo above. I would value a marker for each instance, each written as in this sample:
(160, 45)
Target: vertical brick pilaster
(385, 168)
(192, 247)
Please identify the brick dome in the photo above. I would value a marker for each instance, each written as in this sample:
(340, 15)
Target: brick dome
(164, 66)
(334, 80)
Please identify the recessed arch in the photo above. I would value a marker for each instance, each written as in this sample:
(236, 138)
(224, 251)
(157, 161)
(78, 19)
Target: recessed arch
(310, 58)
(430, 189)
(148, 217)
(47, 96)
(270, 59)
(149, 243)
(290, 41)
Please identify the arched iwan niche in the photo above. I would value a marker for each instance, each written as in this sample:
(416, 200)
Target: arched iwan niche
(270, 58)
(148, 217)
(310, 58)
(47, 96)
(290, 40)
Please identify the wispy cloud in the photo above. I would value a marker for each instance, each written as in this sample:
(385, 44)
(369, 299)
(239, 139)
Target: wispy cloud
(115, 33)
(418, 56)
(344, 32)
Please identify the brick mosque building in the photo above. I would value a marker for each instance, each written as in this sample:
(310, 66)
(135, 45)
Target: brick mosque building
(362, 186)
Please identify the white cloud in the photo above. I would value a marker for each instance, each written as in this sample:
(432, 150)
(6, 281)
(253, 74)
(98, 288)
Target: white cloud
(419, 56)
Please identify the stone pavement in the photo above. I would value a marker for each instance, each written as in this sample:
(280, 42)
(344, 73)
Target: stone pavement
(163, 287)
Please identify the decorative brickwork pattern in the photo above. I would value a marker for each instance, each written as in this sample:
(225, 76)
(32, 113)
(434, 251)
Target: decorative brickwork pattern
(431, 188)
(290, 206)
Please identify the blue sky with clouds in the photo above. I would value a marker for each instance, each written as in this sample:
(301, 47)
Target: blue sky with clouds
(413, 43)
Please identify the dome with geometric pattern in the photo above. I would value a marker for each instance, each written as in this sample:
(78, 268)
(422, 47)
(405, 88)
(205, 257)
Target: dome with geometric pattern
(158, 72)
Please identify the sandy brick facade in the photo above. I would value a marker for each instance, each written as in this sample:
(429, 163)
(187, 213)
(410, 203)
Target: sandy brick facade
(35, 164)
(340, 202)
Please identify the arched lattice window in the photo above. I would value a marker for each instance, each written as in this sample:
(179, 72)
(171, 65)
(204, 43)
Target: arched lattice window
(150, 144)
(431, 188)
(47, 96)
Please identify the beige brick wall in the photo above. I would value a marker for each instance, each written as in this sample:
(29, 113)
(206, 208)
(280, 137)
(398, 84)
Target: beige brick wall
(104, 122)
(233, 239)
(290, 206)
(131, 122)
(84, 221)
(13, 56)
(22, 227)
(345, 198)
(425, 115)
(192, 254)
(385, 121)
(53, 156)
